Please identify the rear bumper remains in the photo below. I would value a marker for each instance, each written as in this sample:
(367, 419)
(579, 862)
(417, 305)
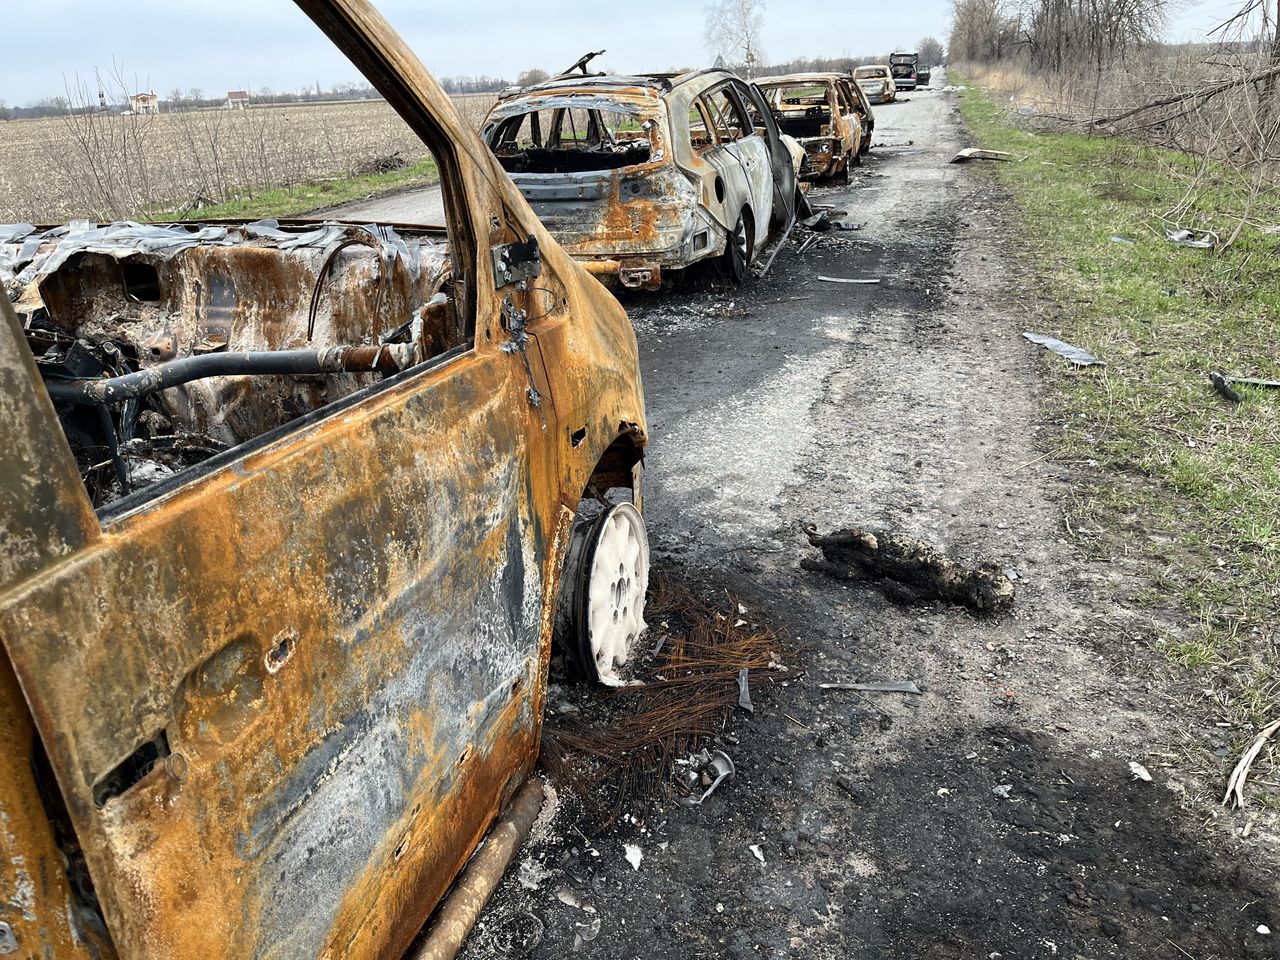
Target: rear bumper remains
(630, 272)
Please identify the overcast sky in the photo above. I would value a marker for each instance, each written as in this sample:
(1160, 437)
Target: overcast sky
(218, 45)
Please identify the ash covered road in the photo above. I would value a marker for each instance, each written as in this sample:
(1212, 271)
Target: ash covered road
(996, 816)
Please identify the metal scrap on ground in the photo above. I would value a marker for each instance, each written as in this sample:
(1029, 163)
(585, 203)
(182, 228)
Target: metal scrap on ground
(1077, 355)
(845, 280)
(878, 686)
(1255, 382)
(909, 570)
(1197, 239)
(974, 153)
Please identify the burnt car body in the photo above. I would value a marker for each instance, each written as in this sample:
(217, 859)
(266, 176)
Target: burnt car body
(822, 113)
(285, 514)
(636, 176)
(866, 115)
(903, 68)
(876, 81)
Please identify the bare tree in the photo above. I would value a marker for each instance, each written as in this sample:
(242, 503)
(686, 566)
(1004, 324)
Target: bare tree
(931, 52)
(733, 31)
(532, 76)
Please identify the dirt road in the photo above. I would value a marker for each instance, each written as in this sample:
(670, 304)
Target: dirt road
(424, 205)
(997, 815)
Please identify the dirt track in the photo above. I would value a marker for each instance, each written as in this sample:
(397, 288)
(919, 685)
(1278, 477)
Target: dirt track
(994, 816)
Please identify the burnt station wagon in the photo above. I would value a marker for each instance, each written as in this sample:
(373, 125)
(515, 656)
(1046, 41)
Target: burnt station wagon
(636, 176)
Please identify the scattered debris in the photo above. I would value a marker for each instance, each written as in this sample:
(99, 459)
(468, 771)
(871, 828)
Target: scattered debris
(820, 222)
(755, 849)
(1003, 791)
(1223, 386)
(586, 932)
(908, 569)
(1116, 238)
(1197, 239)
(1139, 771)
(570, 898)
(626, 757)
(1264, 930)
(744, 691)
(1077, 355)
(879, 686)
(1235, 783)
(974, 153)
(708, 769)
(845, 280)
(847, 225)
(634, 855)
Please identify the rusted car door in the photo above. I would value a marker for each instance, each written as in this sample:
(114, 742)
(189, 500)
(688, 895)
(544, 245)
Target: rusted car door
(846, 123)
(284, 697)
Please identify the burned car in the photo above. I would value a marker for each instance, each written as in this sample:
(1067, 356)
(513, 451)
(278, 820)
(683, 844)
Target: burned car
(877, 83)
(638, 176)
(824, 115)
(291, 512)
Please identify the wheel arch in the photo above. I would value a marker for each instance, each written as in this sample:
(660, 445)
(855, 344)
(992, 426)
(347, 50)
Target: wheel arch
(619, 465)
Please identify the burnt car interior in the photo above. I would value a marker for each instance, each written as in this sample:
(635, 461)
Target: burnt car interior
(163, 346)
(803, 111)
(573, 140)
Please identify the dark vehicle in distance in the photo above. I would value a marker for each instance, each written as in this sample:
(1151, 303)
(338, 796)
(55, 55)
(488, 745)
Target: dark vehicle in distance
(903, 68)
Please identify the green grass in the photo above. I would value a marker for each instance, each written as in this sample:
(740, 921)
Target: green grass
(302, 198)
(1176, 460)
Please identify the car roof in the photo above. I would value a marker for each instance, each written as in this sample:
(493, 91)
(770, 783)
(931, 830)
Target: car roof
(651, 84)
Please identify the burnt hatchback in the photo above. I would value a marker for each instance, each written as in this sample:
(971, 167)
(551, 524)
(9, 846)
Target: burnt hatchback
(287, 511)
(637, 176)
(824, 115)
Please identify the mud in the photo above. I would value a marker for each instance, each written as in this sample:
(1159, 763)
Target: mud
(995, 816)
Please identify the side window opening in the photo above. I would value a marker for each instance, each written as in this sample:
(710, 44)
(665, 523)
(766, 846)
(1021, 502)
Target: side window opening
(166, 345)
(701, 131)
(715, 120)
(725, 102)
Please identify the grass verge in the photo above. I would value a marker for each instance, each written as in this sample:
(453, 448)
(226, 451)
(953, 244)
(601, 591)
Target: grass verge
(302, 198)
(1191, 480)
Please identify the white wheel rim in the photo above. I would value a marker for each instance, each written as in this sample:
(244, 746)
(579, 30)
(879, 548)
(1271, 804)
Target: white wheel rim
(619, 580)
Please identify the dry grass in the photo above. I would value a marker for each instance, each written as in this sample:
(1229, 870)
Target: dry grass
(133, 166)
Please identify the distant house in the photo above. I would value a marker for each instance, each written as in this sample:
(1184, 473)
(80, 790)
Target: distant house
(144, 103)
(237, 99)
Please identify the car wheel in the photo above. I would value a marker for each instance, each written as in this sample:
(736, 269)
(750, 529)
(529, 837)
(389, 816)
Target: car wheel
(736, 260)
(600, 613)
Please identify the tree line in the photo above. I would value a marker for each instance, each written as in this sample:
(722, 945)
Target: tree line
(1054, 35)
